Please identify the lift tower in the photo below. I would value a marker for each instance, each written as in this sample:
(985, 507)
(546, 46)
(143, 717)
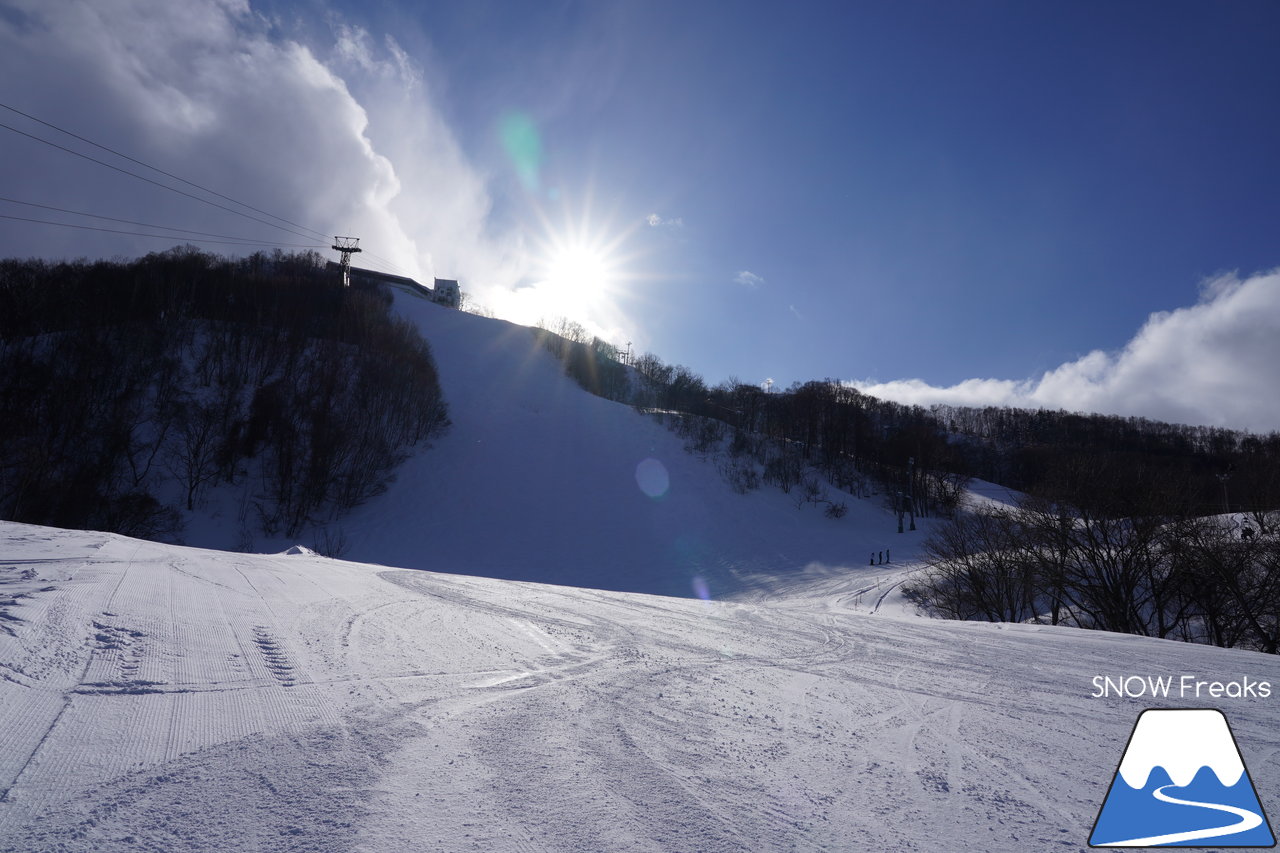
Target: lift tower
(347, 246)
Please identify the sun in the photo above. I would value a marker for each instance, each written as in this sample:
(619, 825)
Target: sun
(578, 266)
(581, 272)
(579, 275)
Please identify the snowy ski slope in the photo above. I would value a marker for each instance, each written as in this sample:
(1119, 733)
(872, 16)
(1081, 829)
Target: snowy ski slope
(161, 698)
(537, 480)
(154, 697)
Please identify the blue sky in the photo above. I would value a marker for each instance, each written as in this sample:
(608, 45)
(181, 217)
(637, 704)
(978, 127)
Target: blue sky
(934, 191)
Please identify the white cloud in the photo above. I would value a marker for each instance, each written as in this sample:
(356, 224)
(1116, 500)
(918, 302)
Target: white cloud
(748, 279)
(656, 221)
(1215, 363)
(795, 312)
(347, 137)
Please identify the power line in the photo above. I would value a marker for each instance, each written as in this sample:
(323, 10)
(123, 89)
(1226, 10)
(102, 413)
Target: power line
(135, 222)
(379, 257)
(380, 267)
(385, 262)
(156, 183)
(161, 171)
(160, 236)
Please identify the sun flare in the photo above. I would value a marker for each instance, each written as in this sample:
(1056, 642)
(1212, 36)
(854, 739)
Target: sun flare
(579, 275)
(578, 266)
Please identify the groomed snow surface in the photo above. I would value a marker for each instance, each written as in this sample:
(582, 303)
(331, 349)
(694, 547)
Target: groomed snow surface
(155, 697)
(162, 698)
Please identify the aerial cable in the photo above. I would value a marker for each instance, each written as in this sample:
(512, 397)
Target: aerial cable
(133, 222)
(146, 165)
(156, 183)
(372, 260)
(389, 263)
(163, 236)
(382, 267)
(156, 169)
(386, 263)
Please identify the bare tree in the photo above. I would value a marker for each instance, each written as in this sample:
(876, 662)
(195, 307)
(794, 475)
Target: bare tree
(192, 455)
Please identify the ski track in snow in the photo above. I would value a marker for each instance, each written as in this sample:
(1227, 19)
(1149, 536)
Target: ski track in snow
(165, 698)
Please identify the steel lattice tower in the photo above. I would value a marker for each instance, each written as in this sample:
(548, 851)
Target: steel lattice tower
(347, 246)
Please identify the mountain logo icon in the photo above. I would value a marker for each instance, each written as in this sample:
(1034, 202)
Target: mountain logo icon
(1182, 783)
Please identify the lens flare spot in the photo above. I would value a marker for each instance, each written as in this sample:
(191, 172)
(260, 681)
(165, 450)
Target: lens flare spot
(523, 145)
(701, 589)
(652, 478)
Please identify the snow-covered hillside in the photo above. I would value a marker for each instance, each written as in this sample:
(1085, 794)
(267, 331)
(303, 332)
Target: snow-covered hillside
(161, 698)
(539, 480)
(154, 697)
